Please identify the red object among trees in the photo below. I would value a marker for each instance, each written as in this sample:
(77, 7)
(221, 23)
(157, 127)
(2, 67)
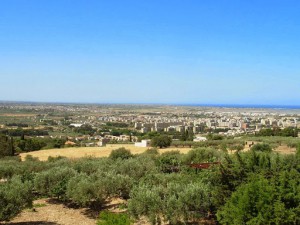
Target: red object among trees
(203, 165)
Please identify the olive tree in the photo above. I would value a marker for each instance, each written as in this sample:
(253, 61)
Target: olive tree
(14, 196)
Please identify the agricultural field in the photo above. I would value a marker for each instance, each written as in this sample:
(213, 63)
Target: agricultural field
(80, 152)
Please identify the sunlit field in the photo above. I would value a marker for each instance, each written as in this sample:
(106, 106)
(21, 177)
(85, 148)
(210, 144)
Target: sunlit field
(80, 152)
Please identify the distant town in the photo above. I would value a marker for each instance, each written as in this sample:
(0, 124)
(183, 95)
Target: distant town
(97, 125)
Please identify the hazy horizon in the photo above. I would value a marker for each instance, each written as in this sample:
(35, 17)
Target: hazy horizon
(154, 52)
(157, 104)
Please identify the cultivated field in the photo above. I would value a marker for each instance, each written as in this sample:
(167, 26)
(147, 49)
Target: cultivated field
(79, 152)
(92, 151)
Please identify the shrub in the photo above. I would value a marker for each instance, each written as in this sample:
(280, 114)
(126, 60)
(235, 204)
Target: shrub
(53, 182)
(161, 141)
(82, 190)
(135, 168)
(200, 155)
(31, 158)
(90, 165)
(7, 170)
(170, 161)
(175, 201)
(120, 153)
(94, 189)
(264, 201)
(113, 184)
(152, 151)
(261, 148)
(146, 201)
(14, 196)
(109, 218)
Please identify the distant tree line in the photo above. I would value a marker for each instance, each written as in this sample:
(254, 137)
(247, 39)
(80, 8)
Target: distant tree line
(16, 125)
(28, 132)
(117, 124)
(9, 145)
(286, 132)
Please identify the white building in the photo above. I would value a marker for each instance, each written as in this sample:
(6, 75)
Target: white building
(199, 138)
(144, 143)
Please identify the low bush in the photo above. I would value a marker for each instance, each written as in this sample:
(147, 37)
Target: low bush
(109, 218)
(84, 191)
(261, 148)
(53, 182)
(120, 153)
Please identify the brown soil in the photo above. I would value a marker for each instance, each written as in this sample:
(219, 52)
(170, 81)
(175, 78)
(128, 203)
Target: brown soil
(284, 149)
(52, 213)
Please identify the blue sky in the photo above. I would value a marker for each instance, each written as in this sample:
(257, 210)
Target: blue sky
(155, 51)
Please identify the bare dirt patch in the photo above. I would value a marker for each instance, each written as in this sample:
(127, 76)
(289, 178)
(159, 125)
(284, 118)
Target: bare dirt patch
(52, 212)
(49, 213)
(92, 151)
(284, 149)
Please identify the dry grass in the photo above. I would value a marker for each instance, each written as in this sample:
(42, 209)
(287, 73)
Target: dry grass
(18, 114)
(52, 213)
(79, 152)
(92, 151)
(284, 149)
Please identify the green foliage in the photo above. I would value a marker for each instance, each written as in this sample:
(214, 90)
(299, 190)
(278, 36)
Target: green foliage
(86, 190)
(53, 182)
(30, 158)
(261, 201)
(298, 151)
(34, 144)
(31, 144)
(85, 129)
(136, 168)
(200, 155)
(39, 205)
(254, 187)
(261, 148)
(146, 202)
(16, 124)
(83, 190)
(161, 141)
(91, 165)
(21, 132)
(187, 135)
(109, 218)
(152, 151)
(117, 124)
(214, 137)
(286, 132)
(6, 146)
(169, 161)
(174, 200)
(120, 153)
(14, 196)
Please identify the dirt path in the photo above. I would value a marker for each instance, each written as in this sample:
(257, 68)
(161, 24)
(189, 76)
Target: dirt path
(51, 213)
